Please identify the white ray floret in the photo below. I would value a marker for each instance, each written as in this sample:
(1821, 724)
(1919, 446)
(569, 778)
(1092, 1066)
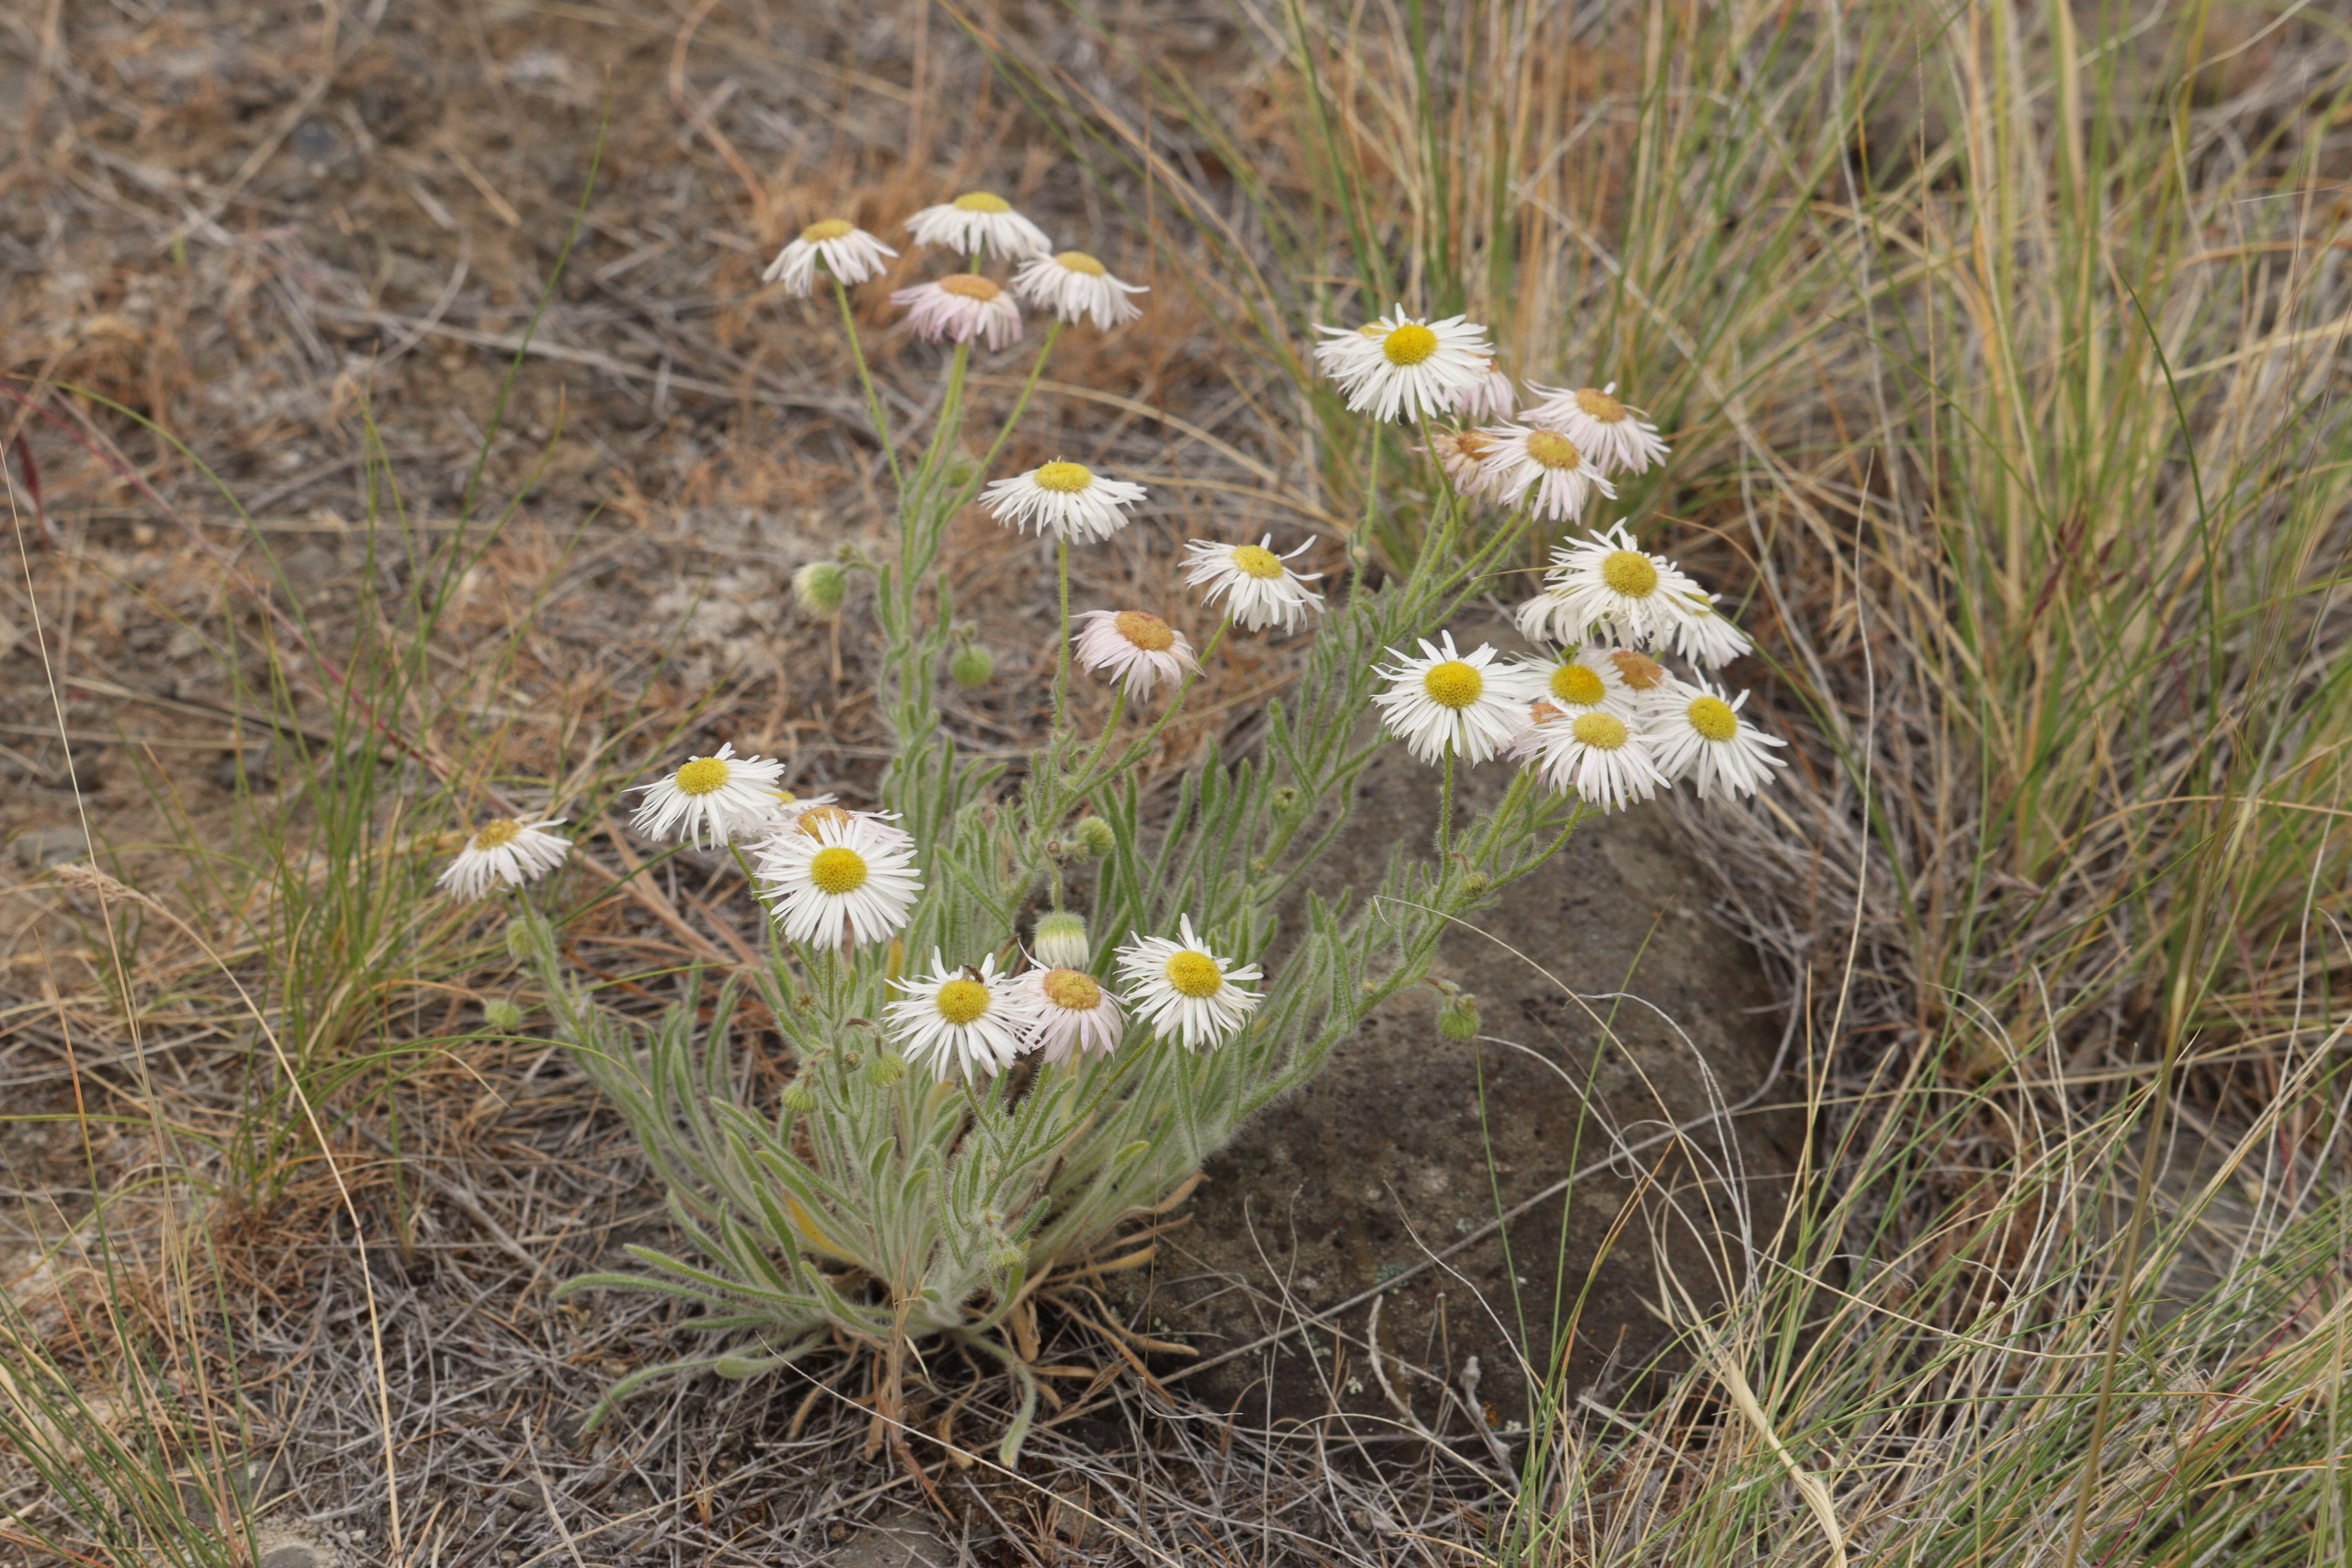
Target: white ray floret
(504, 850)
(1491, 398)
(1697, 735)
(1075, 1014)
(1618, 439)
(1583, 681)
(1544, 469)
(1185, 992)
(962, 307)
(1603, 758)
(960, 1020)
(1076, 287)
(1067, 500)
(710, 800)
(837, 876)
(847, 252)
(1399, 367)
(789, 808)
(1605, 585)
(1444, 702)
(979, 223)
(1136, 650)
(1259, 586)
(1706, 637)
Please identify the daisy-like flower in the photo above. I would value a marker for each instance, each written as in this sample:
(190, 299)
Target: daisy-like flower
(1705, 637)
(961, 307)
(1073, 285)
(1260, 589)
(1463, 455)
(1067, 500)
(789, 808)
(1542, 467)
(967, 1020)
(1446, 701)
(979, 222)
(838, 876)
(1185, 992)
(1577, 683)
(1402, 368)
(1491, 396)
(1616, 438)
(710, 800)
(848, 252)
(1606, 583)
(1138, 650)
(1075, 1014)
(1700, 737)
(503, 850)
(1604, 757)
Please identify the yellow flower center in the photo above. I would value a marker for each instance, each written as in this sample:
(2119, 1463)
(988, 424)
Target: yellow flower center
(1070, 989)
(1195, 975)
(1599, 405)
(1575, 683)
(1454, 684)
(817, 816)
(1629, 572)
(1258, 560)
(1078, 262)
(704, 775)
(1602, 731)
(1554, 450)
(1409, 344)
(1640, 671)
(982, 202)
(969, 286)
(1713, 717)
(502, 830)
(1149, 633)
(1065, 478)
(1472, 446)
(837, 870)
(829, 228)
(962, 1001)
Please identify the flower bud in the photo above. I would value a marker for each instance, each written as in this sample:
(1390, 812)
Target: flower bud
(819, 587)
(522, 935)
(972, 667)
(1006, 1256)
(1060, 941)
(1475, 884)
(798, 1096)
(886, 1070)
(1285, 800)
(1094, 838)
(1457, 1019)
(502, 1016)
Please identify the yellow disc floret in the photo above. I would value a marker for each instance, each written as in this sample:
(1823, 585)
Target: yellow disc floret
(1258, 560)
(1600, 406)
(837, 870)
(1079, 262)
(1554, 450)
(1072, 989)
(1575, 683)
(1713, 717)
(829, 228)
(704, 775)
(503, 830)
(1195, 975)
(1454, 684)
(1409, 344)
(962, 1001)
(1149, 633)
(1064, 478)
(969, 286)
(1629, 572)
(1602, 731)
(982, 202)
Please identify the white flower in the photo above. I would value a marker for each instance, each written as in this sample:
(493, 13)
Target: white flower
(1264, 591)
(848, 252)
(1705, 637)
(503, 850)
(963, 1019)
(979, 221)
(1075, 1014)
(1491, 396)
(1073, 285)
(1446, 701)
(789, 808)
(1403, 368)
(1584, 682)
(839, 875)
(1700, 737)
(1617, 438)
(1604, 757)
(1068, 501)
(1184, 991)
(710, 800)
(1605, 584)
(1543, 468)
(960, 308)
(1138, 650)
(1059, 941)
(1463, 455)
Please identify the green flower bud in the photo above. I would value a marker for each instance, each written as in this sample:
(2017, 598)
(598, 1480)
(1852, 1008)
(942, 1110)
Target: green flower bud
(884, 1070)
(1006, 1256)
(819, 587)
(1285, 800)
(502, 1016)
(1060, 941)
(798, 1096)
(1457, 1019)
(1095, 837)
(972, 667)
(523, 932)
(1475, 884)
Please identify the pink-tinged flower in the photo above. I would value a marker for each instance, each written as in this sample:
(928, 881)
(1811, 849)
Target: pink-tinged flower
(1135, 649)
(962, 307)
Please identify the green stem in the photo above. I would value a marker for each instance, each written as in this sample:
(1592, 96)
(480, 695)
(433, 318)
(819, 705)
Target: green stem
(1020, 406)
(873, 410)
(1062, 646)
(1110, 727)
(1445, 808)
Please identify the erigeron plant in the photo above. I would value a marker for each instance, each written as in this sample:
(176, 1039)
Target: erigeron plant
(986, 1095)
